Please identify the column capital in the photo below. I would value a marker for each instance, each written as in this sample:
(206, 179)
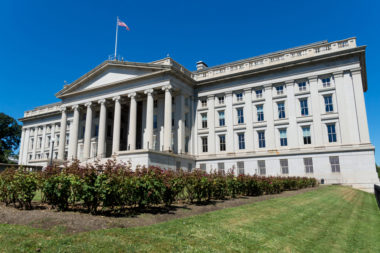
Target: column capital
(167, 87)
(116, 98)
(356, 71)
(148, 91)
(88, 104)
(101, 101)
(132, 95)
(62, 108)
(75, 107)
(338, 74)
(312, 78)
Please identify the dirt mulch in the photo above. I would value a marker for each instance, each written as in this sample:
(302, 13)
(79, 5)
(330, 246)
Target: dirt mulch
(74, 222)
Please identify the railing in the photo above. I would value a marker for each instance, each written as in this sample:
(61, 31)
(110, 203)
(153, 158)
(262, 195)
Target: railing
(42, 110)
(275, 58)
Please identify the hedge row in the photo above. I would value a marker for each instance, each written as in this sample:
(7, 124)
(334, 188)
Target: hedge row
(114, 185)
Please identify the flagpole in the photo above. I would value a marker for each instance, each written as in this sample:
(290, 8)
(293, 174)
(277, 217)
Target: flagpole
(117, 20)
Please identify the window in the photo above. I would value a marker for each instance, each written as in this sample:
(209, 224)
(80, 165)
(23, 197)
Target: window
(30, 157)
(280, 90)
(202, 166)
(155, 121)
(259, 93)
(261, 165)
(302, 86)
(187, 139)
(221, 100)
(260, 113)
(155, 103)
(304, 107)
(204, 102)
(281, 110)
(334, 162)
(240, 167)
(329, 103)
(331, 132)
(204, 144)
(283, 138)
(306, 135)
(326, 82)
(204, 120)
(67, 139)
(39, 142)
(261, 135)
(241, 141)
(222, 121)
(31, 143)
(222, 142)
(221, 168)
(240, 115)
(284, 166)
(48, 140)
(239, 97)
(308, 162)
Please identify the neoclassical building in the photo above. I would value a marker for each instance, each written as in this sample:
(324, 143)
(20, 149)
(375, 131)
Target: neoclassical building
(296, 112)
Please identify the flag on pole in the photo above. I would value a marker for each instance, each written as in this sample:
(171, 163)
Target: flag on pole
(121, 23)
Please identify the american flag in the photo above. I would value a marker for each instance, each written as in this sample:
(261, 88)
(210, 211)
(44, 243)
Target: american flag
(121, 23)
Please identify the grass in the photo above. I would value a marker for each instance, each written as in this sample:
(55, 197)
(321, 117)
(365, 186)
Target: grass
(330, 219)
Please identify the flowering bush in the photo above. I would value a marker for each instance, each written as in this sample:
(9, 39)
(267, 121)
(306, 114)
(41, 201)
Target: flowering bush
(113, 185)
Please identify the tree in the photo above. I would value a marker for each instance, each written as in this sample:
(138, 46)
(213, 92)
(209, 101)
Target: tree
(10, 134)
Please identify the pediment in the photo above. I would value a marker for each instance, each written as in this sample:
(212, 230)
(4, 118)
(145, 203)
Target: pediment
(108, 74)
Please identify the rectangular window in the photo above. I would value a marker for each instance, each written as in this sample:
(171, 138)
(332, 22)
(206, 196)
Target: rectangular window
(204, 102)
(283, 138)
(306, 135)
(239, 97)
(204, 144)
(329, 103)
(334, 162)
(202, 166)
(40, 142)
(222, 142)
(240, 115)
(222, 121)
(241, 141)
(331, 132)
(155, 121)
(281, 110)
(240, 167)
(326, 82)
(280, 89)
(187, 139)
(259, 93)
(261, 137)
(260, 113)
(204, 120)
(221, 168)
(302, 86)
(304, 107)
(261, 165)
(284, 166)
(221, 100)
(308, 162)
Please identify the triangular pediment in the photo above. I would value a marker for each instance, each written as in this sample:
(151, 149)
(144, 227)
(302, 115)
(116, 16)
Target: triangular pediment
(109, 73)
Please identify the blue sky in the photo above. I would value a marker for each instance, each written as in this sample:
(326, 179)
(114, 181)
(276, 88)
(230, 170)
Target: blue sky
(44, 43)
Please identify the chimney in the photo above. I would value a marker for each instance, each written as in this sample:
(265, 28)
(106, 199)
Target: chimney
(201, 65)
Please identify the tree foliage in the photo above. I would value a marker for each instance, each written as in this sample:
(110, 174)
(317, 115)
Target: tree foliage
(10, 133)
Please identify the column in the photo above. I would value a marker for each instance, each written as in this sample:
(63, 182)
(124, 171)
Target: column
(168, 118)
(229, 118)
(26, 146)
(180, 106)
(116, 126)
(268, 115)
(132, 122)
(43, 141)
(102, 129)
(360, 105)
(62, 135)
(20, 153)
(73, 142)
(342, 108)
(292, 129)
(316, 112)
(87, 132)
(149, 119)
(211, 124)
(35, 142)
(248, 119)
(351, 108)
(52, 140)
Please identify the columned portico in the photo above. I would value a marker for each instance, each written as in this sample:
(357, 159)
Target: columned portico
(132, 122)
(167, 118)
(62, 134)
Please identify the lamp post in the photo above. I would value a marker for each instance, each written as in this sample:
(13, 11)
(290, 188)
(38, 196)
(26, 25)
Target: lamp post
(51, 150)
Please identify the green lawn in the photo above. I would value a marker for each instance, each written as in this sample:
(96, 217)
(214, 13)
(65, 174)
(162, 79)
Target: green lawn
(330, 219)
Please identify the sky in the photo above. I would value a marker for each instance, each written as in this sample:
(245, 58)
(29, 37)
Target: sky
(44, 43)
